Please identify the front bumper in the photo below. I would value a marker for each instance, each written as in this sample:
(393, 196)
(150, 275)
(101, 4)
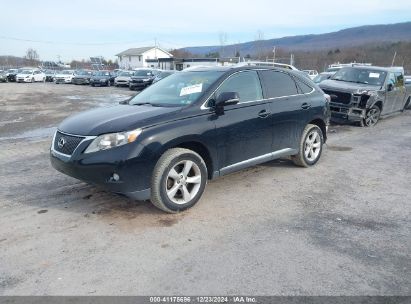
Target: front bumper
(23, 80)
(139, 85)
(99, 83)
(98, 168)
(81, 81)
(341, 112)
(63, 80)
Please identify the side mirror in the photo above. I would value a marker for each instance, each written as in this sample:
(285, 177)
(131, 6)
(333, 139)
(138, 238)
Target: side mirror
(225, 99)
(124, 102)
(390, 87)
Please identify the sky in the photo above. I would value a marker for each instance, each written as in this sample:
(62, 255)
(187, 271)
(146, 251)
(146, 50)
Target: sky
(79, 29)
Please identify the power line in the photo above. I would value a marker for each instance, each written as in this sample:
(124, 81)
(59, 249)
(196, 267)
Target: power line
(72, 43)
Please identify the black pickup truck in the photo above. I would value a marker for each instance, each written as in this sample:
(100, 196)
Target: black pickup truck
(364, 93)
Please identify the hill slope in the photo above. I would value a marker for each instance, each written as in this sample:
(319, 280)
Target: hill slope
(344, 38)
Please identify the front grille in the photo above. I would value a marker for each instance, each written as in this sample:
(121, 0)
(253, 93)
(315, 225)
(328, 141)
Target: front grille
(339, 97)
(70, 143)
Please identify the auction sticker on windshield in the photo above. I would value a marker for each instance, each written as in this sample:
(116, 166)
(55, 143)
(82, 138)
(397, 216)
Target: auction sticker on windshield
(197, 88)
(374, 75)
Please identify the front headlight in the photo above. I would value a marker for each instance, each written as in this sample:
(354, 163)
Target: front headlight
(146, 79)
(111, 140)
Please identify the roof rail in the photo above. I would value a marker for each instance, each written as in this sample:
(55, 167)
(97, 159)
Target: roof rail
(267, 64)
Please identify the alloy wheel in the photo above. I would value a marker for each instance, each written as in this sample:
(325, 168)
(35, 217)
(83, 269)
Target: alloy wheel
(312, 146)
(371, 117)
(183, 182)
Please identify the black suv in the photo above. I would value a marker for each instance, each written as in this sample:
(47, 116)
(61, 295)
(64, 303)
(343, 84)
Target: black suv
(143, 78)
(165, 142)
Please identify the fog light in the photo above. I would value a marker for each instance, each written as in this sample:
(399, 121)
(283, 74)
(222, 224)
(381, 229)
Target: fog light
(115, 177)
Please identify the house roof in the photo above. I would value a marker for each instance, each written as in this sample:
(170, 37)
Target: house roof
(140, 51)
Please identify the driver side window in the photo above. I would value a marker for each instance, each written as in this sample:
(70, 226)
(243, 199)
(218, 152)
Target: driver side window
(246, 84)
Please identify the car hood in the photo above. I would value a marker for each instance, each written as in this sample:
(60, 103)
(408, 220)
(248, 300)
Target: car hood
(82, 76)
(141, 77)
(115, 119)
(23, 75)
(63, 75)
(123, 78)
(100, 77)
(351, 87)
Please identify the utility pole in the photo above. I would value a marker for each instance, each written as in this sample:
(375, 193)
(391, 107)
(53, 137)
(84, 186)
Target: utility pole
(393, 59)
(274, 54)
(155, 48)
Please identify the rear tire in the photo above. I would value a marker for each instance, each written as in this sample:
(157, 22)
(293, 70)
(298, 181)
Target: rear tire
(407, 104)
(178, 180)
(310, 148)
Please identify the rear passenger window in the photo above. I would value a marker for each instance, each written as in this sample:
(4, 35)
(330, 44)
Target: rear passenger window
(278, 84)
(246, 84)
(302, 86)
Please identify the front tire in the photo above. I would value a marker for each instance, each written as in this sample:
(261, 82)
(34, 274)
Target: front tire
(310, 148)
(371, 117)
(178, 180)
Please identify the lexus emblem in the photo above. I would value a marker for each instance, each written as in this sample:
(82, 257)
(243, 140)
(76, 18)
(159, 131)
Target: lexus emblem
(61, 142)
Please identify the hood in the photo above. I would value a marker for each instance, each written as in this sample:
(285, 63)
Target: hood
(344, 86)
(123, 78)
(82, 76)
(100, 77)
(115, 119)
(63, 75)
(141, 77)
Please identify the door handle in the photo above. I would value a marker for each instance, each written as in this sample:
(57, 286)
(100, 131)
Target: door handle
(305, 106)
(264, 114)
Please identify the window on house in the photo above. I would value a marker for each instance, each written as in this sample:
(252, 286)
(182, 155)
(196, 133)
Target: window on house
(139, 57)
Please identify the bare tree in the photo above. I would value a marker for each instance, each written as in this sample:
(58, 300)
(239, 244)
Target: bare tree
(32, 56)
(259, 43)
(223, 40)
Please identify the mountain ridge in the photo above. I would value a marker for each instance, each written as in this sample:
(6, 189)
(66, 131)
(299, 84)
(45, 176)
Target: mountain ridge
(349, 37)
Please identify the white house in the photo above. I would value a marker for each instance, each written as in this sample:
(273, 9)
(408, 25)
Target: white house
(137, 57)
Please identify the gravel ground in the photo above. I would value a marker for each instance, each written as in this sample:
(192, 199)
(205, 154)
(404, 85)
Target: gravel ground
(339, 228)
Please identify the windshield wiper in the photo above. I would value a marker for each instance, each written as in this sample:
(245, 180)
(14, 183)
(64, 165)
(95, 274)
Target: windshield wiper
(146, 103)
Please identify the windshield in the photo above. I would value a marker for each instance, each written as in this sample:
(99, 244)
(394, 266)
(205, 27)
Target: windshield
(124, 74)
(179, 89)
(83, 73)
(321, 77)
(333, 69)
(366, 76)
(143, 73)
(26, 72)
(101, 73)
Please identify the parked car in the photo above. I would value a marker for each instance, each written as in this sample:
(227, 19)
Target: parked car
(3, 77)
(365, 93)
(102, 78)
(143, 78)
(11, 74)
(65, 76)
(163, 75)
(311, 73)
(192, 126)
(33, 75)
(323, 76)
(82, 77)
(50, 74)
(123, 79)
